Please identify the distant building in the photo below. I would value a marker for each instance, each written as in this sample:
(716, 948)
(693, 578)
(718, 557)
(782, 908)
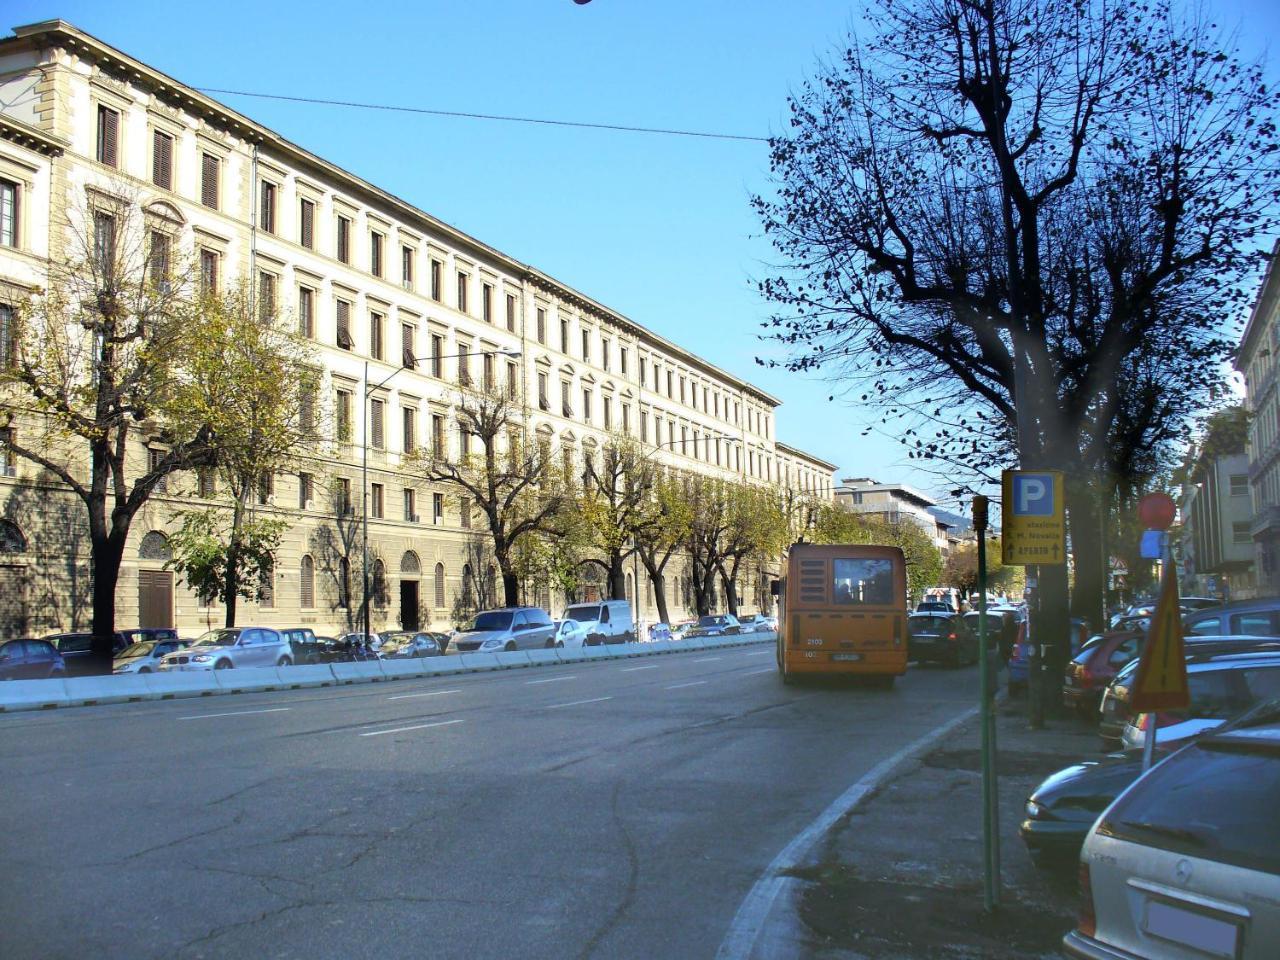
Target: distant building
(1217, 541)
(1256, 359)
(895, 502)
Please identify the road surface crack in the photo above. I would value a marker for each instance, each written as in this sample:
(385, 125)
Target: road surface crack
(633, 877)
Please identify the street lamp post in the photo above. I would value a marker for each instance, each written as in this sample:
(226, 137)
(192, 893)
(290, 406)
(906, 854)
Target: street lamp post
(365, 392)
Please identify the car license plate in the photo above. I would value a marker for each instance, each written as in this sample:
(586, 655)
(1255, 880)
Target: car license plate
(1207, 934)
(847, 657)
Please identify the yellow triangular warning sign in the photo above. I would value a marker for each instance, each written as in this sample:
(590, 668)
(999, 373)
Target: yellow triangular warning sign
(1161, 683)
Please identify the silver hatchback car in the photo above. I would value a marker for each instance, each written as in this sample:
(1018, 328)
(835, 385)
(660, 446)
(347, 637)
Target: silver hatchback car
(1186, 863)
(230, 647)
(511, 628)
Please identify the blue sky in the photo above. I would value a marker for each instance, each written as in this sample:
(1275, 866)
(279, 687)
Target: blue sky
(658, 228)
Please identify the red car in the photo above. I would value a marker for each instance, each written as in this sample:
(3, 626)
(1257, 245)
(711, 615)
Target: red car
(1096, 665)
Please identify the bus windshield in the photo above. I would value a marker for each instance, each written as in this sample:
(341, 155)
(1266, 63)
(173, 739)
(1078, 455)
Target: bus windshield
(863, 581)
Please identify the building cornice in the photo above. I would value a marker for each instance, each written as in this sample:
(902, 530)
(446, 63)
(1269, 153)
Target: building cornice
(786, 448)
(25, 135)
(1268, 291)
(60, 33)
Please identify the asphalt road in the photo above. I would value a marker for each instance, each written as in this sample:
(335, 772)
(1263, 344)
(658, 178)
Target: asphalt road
(609, 809)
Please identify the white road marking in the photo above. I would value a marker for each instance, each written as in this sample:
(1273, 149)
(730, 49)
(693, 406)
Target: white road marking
(652, 666)
(740, 941)
(693, 683)
(233, 713)
(551, 680)
(578, 703)
(705, 660)
(760, 653)
(416, 726)
(433, 693)
(752, 673)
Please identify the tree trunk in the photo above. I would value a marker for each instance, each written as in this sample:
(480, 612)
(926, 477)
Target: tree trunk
(1087, 599)
(660, 595)
(231, 584)
(617, 576)
(106, 553)
(510, 588)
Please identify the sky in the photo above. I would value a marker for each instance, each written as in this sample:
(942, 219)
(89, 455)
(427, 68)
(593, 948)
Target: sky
(659, 228)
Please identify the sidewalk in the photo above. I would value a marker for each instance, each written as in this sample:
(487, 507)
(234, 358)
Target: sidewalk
(901, 877)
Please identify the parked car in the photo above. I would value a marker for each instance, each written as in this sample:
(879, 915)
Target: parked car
(715, 625)
(303, 644)
(934, 606)
(229, 647)
(1186, 863)
(591, 624)
(28, 659)
(948, 596)
(407, 644)
(1095, 666)
(1019, 664)
(940, 638)
(1002, 629)
(757, 623)
(1061, 810)
(1256, 618)
(144, 656)
(1113, 711)
(76, 648)
(1194, 604)
(659, 631)
(511, 628)
(681, 630)
(362, 646)
(1220, 686)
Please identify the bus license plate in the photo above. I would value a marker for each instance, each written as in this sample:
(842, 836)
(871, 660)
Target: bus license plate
(847, 657)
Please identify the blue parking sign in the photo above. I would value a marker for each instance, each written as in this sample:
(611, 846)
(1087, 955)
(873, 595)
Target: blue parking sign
(1033, 495)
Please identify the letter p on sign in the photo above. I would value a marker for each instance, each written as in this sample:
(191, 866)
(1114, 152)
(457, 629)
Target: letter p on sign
(1033, 495)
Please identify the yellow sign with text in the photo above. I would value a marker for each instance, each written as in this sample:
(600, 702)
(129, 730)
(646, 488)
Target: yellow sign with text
(1033, 527)
(1161, 682)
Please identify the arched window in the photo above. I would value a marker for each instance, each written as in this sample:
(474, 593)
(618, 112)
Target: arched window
(266, 584)
(409, 563)
(155, 546)
(380, 597)
(12, 539)
(466, 585)
(308, 578)
(631, 585)
(344, 583)
(439, 586)
(490, 585)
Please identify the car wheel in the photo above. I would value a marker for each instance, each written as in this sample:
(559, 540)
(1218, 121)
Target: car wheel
(284, 662)
(560, 643)
(223, 665)
(511, 645)
(144, 669)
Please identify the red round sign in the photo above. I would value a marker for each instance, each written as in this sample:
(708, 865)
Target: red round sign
(1156, 511)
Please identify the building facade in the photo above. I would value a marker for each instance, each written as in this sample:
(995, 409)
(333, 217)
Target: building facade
(1256, 359)
(402, 309)
(895, 502)
(1216, 549)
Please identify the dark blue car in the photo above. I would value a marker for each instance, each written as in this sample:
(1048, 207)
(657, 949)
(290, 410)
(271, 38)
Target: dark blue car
(30, 660)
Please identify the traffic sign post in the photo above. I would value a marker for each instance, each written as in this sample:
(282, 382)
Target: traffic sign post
(986, 711)
(1033, 534)
(1161, 681)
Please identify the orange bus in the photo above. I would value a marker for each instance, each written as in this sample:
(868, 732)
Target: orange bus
(843, 610)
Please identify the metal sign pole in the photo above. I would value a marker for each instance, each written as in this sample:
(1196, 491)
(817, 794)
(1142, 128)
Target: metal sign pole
(990, 809)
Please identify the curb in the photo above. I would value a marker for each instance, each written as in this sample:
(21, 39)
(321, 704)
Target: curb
(18, 695)
(744, 940)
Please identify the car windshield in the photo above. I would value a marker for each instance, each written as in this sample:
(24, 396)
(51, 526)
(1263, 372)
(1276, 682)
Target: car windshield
(218, 638)
(492, 620)
(142, 648)
(585, 614)
(711, 621)
(929, 624)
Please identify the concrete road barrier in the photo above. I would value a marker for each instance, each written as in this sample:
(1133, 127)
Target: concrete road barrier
(33, 694)
(308, 675)
(250, 679)
(543, 657)
(481, 661)
(90, 691)
(412, 667)
(169, 685)
(361, 671)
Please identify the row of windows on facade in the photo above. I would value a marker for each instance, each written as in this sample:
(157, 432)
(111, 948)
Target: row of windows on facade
(713, 402)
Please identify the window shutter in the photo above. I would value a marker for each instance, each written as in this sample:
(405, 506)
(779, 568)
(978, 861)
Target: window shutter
(344, 325)
(307, 231)
(375, 418)
(410, 431)
(162, 160)
(108, 136)
(406, 347)
(308, 582)
(306, 409)
(209, 181)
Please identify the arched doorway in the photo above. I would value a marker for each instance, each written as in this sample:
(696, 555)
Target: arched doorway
(155, 585)
(410, 600)
(13, 581)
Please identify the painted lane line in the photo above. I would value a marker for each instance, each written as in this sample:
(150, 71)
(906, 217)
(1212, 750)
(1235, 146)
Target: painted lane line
(760, 653)
(233, 713)
(551, 680)
(416, 726)
(705, 660)
(749, 923)
(578, 703)
(433, 693)
(752, 673)
(692, 683)
(652, 666)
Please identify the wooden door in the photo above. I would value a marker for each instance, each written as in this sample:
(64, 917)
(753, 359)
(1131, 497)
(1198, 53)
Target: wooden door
(155, 598)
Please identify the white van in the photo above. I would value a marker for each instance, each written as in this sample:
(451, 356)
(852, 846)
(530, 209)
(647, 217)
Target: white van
(591, 624)
(948, 595)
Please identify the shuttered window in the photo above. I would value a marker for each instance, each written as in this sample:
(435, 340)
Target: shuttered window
(343, 411)
(306, 312)
(304, 491)
(8, 339)
(462, 292)
(376, 409)
(486, 302)
(511, 313)
(439, 585)
(267, 207)
(542, 325)
(375, 253)
(162, 160)
(377, 334)
(307, 224)
(210, 171)
(344, 240)
(158, 257)
(308, 579)
(410, 438)
(437, 356)
(437, 268)
(208, 272)
(344, 325)
(266, 297)
(407, 358)
(306, 411)
(108, 136)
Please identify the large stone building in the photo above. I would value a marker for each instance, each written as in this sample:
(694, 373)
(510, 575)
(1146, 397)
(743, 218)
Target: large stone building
(399, 305)
(896, 502)
(1257, 358)
(1216, 549)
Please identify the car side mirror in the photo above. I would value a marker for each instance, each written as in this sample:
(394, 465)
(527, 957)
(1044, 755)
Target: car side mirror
(775, 588)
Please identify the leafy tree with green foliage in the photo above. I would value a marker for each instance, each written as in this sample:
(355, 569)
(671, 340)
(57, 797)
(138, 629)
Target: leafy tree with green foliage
(222, 563)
